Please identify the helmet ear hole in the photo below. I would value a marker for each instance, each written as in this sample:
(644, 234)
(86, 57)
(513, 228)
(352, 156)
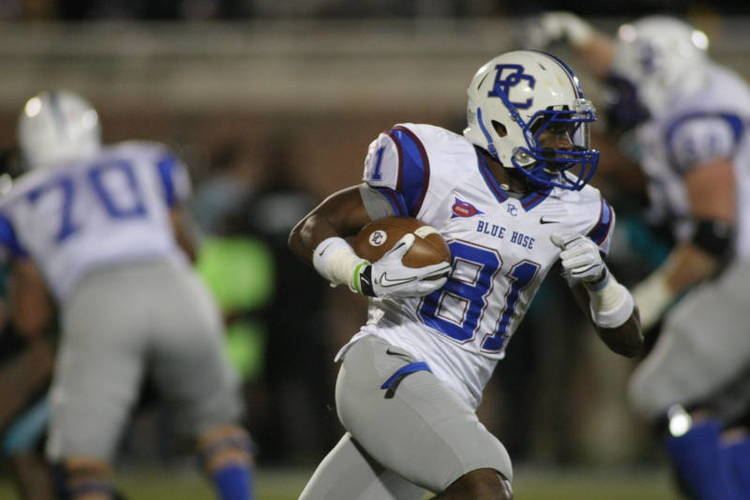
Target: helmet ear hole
(499, 128)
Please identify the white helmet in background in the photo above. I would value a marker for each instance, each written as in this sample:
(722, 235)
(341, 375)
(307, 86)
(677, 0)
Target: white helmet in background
(518, 95)
(56, 127)
(662, 57)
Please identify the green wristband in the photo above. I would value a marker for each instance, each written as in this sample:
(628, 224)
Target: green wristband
(356, 285)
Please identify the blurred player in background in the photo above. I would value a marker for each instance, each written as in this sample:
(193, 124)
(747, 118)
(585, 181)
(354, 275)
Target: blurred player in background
(511, 198)
(687, 118)
(102, 228)
(25, 372)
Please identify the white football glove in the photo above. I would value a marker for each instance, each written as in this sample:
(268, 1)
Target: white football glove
(389, 277)
(580, 258)
(558, 26)
(610, 303)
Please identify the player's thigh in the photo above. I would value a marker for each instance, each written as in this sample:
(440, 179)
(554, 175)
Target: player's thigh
(349, 473)
(421, 430)
(98, 371)
(188, 359)
(704, 346)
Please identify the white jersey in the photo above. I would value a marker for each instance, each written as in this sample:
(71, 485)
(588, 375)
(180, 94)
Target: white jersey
(709, 124)
(500, 246)
(107, 210)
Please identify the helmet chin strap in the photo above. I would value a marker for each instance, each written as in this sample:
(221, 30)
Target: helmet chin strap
(490, 144)
(510, 178)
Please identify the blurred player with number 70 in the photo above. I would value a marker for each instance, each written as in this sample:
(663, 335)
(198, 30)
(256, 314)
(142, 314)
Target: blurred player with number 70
(102, 228)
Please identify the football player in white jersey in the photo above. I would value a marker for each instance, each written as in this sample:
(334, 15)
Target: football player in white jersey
(102, 228)
(687, 118)
(511, 197)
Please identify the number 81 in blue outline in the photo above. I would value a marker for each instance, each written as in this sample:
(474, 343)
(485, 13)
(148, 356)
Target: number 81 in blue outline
(476, 293)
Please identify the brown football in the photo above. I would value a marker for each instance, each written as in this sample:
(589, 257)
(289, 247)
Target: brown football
(379, 236)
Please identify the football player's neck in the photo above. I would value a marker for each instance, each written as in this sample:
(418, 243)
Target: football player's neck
(510, 180)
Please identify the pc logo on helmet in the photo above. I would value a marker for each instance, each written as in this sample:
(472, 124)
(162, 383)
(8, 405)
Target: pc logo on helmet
(508, 76)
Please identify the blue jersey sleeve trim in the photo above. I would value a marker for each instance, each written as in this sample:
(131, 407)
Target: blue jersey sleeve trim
(395, 200)
(735, 122)
(600, 231)
(9, 239)
(166, 168)
(413, 169)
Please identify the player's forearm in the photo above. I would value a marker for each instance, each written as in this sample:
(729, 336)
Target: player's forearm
(687, 266)
(626, 339)
(308, 234)
(32, 310)
(612, 311)
(597, 53)
(185, 232)
(341, 214)
(594, 48)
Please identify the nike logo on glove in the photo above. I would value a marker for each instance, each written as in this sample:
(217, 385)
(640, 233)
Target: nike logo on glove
(385, 281)
(542, 220)
(324, 250)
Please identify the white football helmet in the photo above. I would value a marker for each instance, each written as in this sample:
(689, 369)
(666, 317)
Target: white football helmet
(516, 97)
(662, 57)
(56, 127)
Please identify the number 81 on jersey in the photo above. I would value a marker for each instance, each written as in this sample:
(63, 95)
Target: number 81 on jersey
(460, 307)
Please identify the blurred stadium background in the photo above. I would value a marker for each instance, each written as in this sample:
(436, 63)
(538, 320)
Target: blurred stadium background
(272, 105)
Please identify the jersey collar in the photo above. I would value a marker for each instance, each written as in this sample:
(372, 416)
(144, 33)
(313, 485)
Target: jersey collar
(528, 202)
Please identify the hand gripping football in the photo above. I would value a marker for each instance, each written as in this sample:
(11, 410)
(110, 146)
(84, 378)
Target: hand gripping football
(376, 238)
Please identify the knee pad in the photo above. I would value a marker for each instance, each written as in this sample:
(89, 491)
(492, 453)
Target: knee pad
(227, 444)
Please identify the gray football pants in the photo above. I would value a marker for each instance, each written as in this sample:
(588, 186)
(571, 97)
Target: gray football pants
(118, 325)
(417, 435)
(704, 347)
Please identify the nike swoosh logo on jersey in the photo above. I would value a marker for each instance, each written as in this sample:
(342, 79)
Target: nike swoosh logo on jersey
(386, 282)
(542, 220)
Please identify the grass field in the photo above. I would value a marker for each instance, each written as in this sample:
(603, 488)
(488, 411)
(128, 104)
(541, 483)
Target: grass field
(530, 484)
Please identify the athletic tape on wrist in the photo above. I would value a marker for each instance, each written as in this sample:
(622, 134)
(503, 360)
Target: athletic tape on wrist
(611, 303)
(335, 260)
